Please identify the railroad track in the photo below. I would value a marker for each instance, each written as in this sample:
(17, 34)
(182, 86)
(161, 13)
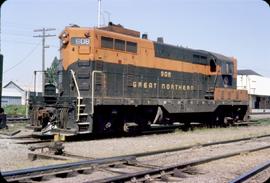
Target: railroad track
(251, 173)
(197, 145)
(145, 173)
(17, 119)
(28, 139)
(193, 125)
(33, 141)
(62, 169)
(167, 172)
(164, 173)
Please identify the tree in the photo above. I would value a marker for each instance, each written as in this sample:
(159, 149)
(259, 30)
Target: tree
(51, 73)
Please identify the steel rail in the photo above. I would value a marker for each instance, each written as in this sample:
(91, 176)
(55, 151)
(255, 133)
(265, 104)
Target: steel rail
(251, 173)
(33, 142)
(197, 145)
(169, 170)
(14, 119)
(54, 169)
(28, 173)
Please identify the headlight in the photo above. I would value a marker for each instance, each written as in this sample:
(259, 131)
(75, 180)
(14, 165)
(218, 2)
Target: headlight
(64, 41)
(64, 35)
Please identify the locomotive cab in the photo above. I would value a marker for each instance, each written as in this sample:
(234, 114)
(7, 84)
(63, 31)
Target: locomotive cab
(76, 44)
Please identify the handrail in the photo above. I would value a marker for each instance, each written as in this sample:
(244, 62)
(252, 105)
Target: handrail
(93, 90)
(79, 95)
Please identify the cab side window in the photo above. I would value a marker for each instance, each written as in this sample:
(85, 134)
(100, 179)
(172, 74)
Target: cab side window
(107, 42)
(131, 47)
(227, 68)
(119, 45)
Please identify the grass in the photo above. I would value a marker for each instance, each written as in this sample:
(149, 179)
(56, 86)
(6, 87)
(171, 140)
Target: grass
(263, 121)
(15, 110)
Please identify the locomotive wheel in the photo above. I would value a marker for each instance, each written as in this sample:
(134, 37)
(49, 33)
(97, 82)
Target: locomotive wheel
(187, 126)
(225, 121)
(103, 123)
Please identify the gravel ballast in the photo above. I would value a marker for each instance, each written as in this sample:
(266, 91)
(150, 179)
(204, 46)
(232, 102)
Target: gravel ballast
(147, 143)
(14, 156)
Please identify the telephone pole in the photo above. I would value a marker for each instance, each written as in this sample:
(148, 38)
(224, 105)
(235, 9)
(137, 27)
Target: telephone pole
(43, 35)
(0, 21)
(99, 13)
(1, 58)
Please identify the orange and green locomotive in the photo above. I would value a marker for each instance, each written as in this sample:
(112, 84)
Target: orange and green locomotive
(113, 80)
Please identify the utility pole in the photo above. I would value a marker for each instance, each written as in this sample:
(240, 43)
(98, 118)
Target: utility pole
(99, 12)
(0, 22)
(35, 81)
(1, 58)
(43, 36)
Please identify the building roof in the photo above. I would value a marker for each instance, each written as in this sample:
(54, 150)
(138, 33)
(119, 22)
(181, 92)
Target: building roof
(11, 92)
(11, 84)
(248, 72)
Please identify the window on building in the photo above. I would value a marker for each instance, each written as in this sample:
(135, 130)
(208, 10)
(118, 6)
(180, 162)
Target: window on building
(131, 47)
(106, 42)
(119, 44)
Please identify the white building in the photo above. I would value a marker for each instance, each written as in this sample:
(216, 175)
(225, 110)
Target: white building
(258, 89)
(12, 94)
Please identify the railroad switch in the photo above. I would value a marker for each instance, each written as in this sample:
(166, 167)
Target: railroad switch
(57, 148)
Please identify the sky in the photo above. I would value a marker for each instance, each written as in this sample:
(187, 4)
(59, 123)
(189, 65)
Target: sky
(238, 28)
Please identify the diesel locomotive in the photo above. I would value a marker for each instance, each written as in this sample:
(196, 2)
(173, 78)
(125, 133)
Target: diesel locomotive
(115, 80)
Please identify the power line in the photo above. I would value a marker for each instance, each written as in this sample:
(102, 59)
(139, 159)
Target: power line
(19, 25)
(19, 42)
(18, 29)
(25, 42)
(21, 61)
(15, 34)
(43, 36)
